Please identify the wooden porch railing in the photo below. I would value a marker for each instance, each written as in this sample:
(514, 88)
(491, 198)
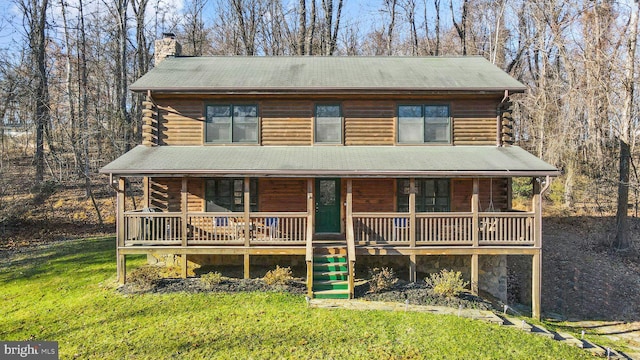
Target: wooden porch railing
(287, 228)
(452, 228)
(444, 228)
(432, 229)
(144, 228)
(506, 228)
(381, 228)
(211, 228)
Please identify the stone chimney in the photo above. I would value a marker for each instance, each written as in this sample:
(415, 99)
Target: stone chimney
(167, 46)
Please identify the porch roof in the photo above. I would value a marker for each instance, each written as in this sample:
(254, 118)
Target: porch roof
(330, 161)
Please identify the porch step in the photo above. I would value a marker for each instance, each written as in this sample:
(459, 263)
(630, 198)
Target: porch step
(331, 294)
(331, 285)
(329, 258)
(330, 267)
(329, 250)
(330, 272)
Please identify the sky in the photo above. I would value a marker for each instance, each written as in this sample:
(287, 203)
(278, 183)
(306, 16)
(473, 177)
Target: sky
(362, 12)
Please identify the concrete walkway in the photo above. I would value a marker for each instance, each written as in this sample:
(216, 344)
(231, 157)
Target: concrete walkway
(483, 315)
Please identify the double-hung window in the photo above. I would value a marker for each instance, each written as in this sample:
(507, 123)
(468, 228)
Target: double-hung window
(231, 124)
(328, 127)
(224, 195)
(420, 124)
(432, 195)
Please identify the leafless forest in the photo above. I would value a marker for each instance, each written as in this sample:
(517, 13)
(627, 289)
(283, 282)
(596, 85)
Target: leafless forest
(65, 71)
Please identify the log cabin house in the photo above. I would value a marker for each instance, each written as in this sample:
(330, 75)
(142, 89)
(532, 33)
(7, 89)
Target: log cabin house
(336, 160)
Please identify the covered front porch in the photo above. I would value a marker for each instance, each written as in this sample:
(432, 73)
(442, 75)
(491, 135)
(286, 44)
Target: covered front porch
(275, 204)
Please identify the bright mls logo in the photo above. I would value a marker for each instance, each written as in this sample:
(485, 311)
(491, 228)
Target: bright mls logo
(35, 350)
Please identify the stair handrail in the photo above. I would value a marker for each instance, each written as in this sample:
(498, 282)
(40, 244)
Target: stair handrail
(351, 255)
(309, 257)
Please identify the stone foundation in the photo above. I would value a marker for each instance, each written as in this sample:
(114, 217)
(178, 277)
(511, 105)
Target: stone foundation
(492, 274)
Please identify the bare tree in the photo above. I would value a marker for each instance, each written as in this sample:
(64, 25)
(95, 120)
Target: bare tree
(390, 8)
(35, 19)
(409, 7)
(302, 26)
(329, 33)
(461, 26)
(247, 16)
(625, 136)
(196, 34)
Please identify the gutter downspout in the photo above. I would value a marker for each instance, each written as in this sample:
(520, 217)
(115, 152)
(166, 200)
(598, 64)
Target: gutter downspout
(547, 184)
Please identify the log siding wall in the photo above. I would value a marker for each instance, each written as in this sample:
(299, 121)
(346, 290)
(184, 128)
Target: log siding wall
(369, 195)
(164, 194)
(290, 121)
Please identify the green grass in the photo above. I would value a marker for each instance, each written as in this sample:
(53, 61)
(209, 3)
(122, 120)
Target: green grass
(66, 293)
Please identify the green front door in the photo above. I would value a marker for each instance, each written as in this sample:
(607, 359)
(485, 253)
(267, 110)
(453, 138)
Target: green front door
(327, 205)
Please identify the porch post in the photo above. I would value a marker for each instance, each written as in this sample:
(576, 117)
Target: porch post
(349, 233)
(247, 273)
(145, 189)
(349, 210)
(412, 212)
(309, 239)
(412, 228)
(536, 268)
(184, 199)
(310, 207)
(536, 284)
(247, 205)
(474, 273)
(121, 263)
(247, 225)
(475, 205)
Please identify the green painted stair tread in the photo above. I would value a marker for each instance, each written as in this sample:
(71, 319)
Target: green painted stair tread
(323, 259)
(330, 267)
(321, 282)
(326, 275)
(331, 285)
(331, 294)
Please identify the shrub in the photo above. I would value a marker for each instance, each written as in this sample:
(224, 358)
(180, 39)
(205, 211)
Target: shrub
(381, 279)
(278, 276)
(144, 277)
(211, 279)
(447, 283)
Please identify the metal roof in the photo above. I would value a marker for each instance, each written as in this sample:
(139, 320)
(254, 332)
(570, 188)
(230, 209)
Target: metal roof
(329, 161)
(331, 74)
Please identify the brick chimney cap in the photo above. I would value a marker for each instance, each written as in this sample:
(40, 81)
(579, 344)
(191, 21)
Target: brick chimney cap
(168, 35)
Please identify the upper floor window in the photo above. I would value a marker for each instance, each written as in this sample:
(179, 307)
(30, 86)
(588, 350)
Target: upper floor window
(432, 195)
(328, 124)
(224, 195)
(232, 124)
(419, 124)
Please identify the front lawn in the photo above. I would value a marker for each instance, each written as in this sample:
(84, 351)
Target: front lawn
(66, 292)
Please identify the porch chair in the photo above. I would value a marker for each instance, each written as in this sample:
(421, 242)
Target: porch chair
(270, 227)
(400, 228)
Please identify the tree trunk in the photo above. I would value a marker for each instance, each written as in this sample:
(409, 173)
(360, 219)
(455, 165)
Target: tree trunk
(621, 241)
(302, 26)
(35, 13)
(312, 28)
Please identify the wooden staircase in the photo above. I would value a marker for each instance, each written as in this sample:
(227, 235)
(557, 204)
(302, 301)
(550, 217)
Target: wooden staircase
(330, 272)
